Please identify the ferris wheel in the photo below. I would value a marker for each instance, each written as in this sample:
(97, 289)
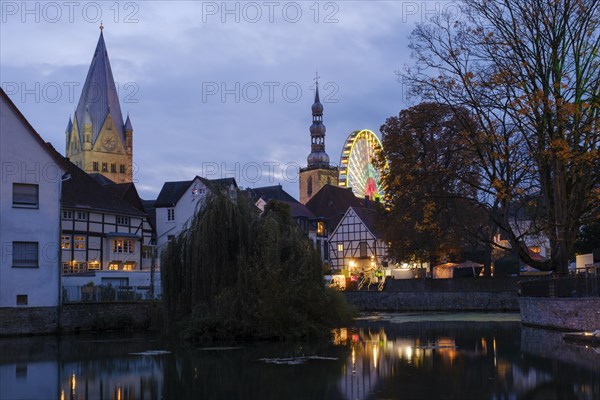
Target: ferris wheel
(357, 170)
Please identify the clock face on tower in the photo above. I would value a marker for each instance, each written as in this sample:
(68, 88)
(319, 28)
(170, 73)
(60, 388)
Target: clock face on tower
(109, 143)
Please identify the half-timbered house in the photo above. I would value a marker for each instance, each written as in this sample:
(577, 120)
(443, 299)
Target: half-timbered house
(104, 238)
(356, 244)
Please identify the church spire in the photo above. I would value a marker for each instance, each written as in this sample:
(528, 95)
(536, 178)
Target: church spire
(318, 157)
(99, 94)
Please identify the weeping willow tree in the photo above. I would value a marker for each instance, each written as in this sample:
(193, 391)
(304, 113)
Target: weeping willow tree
(234, 273)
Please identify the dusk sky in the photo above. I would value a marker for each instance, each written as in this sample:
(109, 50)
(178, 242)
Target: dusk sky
(215, 89)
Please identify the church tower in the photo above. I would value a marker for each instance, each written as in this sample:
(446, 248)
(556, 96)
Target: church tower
(318, 172)
(97, 140)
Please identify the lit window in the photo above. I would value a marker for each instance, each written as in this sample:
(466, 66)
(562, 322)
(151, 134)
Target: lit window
(129, 266)
(65, 242)
(82, 216)
(25, 195)
(321, 229)
(113, 266)
(25, 254)
(79, 242)
(170, 214)
(535, 249)
(340, 247)
(67, 215)
(123, 220)
(123, 246)
(94, 265)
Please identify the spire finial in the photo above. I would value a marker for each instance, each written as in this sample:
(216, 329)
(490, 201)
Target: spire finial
(101, 26)
(317, 78)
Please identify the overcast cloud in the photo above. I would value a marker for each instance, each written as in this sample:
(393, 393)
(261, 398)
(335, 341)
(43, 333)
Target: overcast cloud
(172, 61)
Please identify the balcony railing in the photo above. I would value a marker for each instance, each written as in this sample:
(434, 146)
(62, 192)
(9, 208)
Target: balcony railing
(108, 293)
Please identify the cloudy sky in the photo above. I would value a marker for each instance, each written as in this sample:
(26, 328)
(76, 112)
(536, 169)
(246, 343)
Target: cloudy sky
(214, 88)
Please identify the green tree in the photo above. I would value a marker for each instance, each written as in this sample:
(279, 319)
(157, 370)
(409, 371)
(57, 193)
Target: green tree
(234, 274)
(528, 72)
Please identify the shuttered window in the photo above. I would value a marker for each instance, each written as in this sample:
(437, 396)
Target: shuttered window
(25, 254)
(25, 195)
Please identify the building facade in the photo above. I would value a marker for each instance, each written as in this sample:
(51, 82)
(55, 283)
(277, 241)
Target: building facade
(104, 239)
(30, 192)
(178, 202)
(355, 245)
(97, 139)
(318, 171)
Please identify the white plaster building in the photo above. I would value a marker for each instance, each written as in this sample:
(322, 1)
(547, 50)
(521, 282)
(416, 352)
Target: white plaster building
(30, 191)
(177, 203)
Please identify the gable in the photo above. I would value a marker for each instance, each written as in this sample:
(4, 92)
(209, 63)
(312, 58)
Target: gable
(21, 141)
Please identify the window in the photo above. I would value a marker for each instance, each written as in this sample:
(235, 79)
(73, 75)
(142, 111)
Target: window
(321, 229)
(95, 166)
(325, 250)
(79, 242)
(65, 242)
(197, 192)
(362, 246)
(25, 195)
(170, 214)
(147, 251)
(340, 247)
(170, 237)
(94, 265)
(122, 168)
(113, 266)
(129, 266)
(21, 299)
(123, 246)
(104, 167)
(25, 254)
(113, 167)
(67, 215)
(81, 215)
(122, 220)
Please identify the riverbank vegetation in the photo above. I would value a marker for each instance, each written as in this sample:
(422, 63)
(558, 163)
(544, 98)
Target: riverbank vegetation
(235, 274)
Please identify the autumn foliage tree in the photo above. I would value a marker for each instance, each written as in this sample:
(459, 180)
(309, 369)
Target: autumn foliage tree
(429, 212)
(528, 72)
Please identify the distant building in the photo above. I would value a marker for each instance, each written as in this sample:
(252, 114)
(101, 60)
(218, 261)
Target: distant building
(97, 139)
(318, 172)
(30, 191)
(262, 195)
(356, 244)
(177, 203)
(328, 207)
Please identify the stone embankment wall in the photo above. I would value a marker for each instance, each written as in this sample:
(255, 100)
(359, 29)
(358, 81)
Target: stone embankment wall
(575, 314)
(28, 321)
(439, 295)
(78, 317)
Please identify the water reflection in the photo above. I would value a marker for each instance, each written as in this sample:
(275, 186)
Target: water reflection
(375, 359)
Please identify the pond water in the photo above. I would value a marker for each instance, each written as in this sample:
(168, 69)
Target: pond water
(382, 356)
